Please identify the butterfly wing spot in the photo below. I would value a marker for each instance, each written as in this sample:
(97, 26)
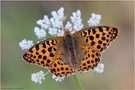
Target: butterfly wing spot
(90, 60)
(61, 69)
(42, 53)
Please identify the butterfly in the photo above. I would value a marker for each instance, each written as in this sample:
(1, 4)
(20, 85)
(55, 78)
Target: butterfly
(71, 53)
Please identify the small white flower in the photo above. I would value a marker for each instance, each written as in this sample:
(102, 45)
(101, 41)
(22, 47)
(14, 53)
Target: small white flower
(76, 21)
(94, 20)
(46, 20)
(99, 68)
(57, 18)
(38, 77)
(26, 44)
(52, 31)
(44, 23)
(56, 23)
(58, 79)
(75, 16)
(59, 14)
(39, 32)
(60, 32)
(40, 22)
(69, 26)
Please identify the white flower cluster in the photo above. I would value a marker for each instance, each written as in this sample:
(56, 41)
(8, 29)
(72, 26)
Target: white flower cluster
(76, 22)
(54, 26)
(39, 32)
(99, 68)
(59, 79)
(38, 77)
(26, 44)
(94, 20)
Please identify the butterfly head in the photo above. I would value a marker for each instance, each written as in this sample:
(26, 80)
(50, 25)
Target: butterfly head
(67, 32)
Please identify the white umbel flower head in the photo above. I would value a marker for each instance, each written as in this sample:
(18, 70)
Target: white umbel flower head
(39, 32)
(94, 20)
(53, 26)
(44, 23)
(76, 21)
(99, 68)
(24, 44)
(38, 77)
(58, 79)
(57, 18)
(59, 14)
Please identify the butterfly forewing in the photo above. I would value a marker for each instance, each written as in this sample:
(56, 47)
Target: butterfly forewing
(98, 38)
(43, 53)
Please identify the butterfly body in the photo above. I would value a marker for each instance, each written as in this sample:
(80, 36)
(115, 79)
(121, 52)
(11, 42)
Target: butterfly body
(72, 53)
(71, 46)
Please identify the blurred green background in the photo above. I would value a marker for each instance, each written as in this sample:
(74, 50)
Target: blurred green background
(18, 22)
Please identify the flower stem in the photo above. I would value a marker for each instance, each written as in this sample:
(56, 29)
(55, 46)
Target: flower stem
(77, 82)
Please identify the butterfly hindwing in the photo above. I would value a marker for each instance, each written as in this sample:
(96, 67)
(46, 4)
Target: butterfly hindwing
(60, 68)
(90, 59)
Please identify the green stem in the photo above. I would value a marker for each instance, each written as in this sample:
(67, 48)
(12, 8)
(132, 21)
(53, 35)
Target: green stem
(77, 82)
